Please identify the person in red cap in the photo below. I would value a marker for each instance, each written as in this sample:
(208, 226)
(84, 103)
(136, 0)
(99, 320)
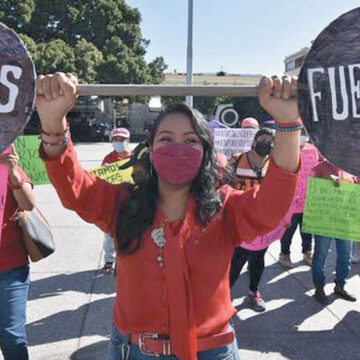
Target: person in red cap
(249, 123)
(120, 142)
(175, 233)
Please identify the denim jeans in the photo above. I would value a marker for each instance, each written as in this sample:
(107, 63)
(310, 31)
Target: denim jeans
(289, 233)
(343, 260)
(229, 352)
(256, 266)
(109, 249)
(14, 286)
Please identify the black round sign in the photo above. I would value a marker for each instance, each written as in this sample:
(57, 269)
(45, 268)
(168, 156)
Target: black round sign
(329, 92)
(17, 86)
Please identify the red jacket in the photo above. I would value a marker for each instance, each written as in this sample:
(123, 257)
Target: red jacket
(189, 297)
(12, 249)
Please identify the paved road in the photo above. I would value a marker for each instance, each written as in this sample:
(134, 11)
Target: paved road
(70, 304)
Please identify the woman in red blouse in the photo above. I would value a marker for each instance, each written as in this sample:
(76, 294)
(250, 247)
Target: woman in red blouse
(14, 269)
(175, 233)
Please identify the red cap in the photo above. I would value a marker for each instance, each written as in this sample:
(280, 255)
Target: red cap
(123, 132)
(249, 123)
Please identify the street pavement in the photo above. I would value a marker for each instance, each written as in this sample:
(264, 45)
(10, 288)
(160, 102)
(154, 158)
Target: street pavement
(70, 302)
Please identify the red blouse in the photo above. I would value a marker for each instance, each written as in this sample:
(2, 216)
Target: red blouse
(12, 249)
(189, 296)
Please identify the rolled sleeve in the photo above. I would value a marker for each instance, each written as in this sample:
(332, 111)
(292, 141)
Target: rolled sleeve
(259, 210)
(92, 198)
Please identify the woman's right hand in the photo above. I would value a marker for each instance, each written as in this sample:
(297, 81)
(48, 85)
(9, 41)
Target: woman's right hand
(56, 95)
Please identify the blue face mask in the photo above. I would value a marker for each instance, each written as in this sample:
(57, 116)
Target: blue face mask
(119, 146)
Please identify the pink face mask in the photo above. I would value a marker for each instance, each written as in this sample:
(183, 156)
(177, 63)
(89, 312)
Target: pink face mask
(177, 164)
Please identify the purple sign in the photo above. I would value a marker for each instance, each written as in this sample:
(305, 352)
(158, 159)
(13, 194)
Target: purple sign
(17, 86)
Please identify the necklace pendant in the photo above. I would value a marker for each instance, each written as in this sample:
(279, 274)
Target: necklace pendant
(158, 237)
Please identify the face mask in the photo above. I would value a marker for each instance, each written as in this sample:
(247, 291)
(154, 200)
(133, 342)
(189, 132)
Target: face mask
(177, 164)
(263, 149)
(304, 140)
(119, 146)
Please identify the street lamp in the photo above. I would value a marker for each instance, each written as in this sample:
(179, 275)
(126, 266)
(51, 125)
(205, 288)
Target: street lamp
(189, 58)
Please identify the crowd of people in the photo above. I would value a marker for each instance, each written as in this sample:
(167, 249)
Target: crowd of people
(180, 235)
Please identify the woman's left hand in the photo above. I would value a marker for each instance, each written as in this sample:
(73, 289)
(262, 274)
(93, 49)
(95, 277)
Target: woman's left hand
(276, 96)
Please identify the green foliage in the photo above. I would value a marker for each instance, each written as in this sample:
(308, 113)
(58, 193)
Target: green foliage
(98, 40)
(17, 14)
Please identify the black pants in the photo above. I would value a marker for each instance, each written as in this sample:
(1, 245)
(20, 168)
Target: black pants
(289, 233)
(256, 266)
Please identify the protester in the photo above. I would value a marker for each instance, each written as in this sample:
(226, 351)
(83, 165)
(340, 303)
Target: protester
(250, 170)
(14, 265)
(249, 123)
(175, 234)
(355, 258)
(120, 142)
(297, 218)
(327, 170)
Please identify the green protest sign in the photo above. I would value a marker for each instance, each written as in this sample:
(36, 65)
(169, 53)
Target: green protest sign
(332, 211)
(27, 146)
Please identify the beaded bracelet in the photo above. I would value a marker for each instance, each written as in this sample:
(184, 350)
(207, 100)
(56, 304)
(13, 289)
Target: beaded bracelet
(289, 129)
(19, 186)
(42, 131)
(288, 125)
(63, 141)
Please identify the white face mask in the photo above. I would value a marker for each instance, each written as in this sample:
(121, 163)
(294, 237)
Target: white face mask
(119, 146)
(304, 140)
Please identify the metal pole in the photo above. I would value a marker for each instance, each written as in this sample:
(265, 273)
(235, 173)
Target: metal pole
(189, 58)
(167, 90)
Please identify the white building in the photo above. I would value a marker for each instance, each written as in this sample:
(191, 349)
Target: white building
(294, 61)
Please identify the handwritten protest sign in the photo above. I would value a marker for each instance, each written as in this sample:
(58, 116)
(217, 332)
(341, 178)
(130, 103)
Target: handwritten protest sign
(215, 124)
(331, 211)
(112, 174)
(309, 158)
(4, 173)
(27, 147)
(233, 141)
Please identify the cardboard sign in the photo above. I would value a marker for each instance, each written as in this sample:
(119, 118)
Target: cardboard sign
(28, 149)
(309, 158)
(112, 174)
(233, 141)
(4, 173)
(17, 86)
(332, 211)
(329, 92)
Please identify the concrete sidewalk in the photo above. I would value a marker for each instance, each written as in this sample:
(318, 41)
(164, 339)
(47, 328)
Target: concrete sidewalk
(70, 302)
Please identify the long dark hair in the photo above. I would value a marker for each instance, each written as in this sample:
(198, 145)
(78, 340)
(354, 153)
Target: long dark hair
(138, 212)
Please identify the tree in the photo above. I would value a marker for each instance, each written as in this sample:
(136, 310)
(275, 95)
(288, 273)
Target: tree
(17, 14)
(98, 40)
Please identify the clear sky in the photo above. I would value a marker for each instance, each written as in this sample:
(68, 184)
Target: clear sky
(238, 36)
